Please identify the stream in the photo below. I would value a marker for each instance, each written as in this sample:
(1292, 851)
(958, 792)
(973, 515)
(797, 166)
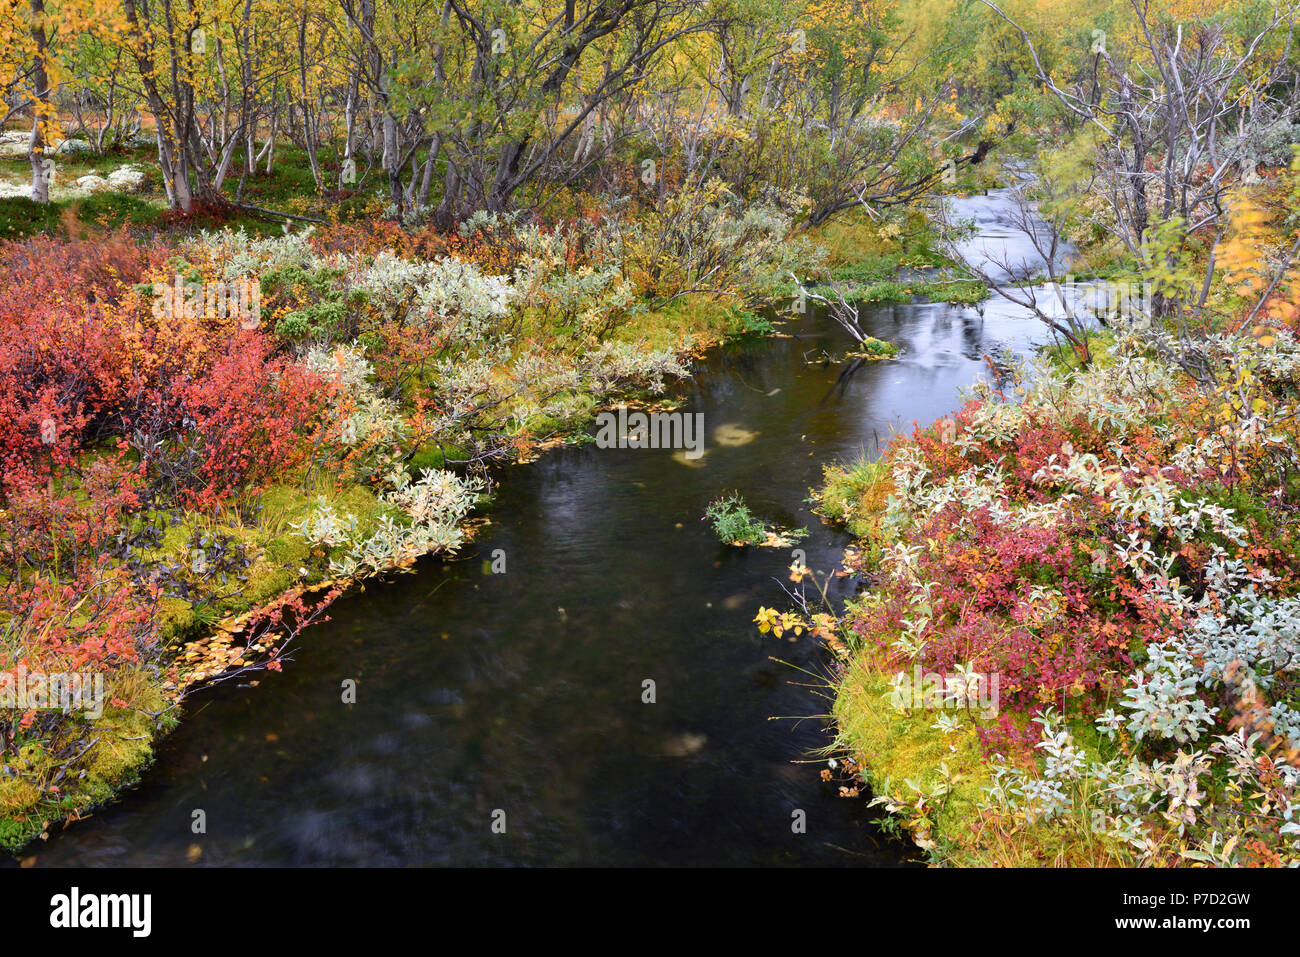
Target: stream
(521, 692)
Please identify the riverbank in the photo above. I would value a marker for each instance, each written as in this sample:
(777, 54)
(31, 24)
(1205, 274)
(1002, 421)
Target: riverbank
(1076, 644)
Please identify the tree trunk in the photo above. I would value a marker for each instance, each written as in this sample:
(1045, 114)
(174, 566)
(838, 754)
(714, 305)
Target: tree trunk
(42, 112)
(435, 147)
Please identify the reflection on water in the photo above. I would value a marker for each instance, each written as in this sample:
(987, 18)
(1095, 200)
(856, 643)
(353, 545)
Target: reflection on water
(523, 691)
(1006, 239)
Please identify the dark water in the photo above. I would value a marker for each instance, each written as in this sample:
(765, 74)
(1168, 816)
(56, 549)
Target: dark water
(522, 691)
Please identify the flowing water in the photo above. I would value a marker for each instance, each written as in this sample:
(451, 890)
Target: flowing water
(521, 692)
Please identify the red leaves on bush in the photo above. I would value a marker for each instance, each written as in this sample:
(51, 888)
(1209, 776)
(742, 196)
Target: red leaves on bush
(64, 531)
(985, 612)
(256, 415)
(82, 358)
(1041, 605)
(95, 620)
(58, 359)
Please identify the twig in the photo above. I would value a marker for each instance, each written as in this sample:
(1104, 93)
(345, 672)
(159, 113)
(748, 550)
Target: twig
(275, 212)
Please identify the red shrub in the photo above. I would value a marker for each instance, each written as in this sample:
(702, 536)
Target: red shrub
(59, 359)
(256, 415)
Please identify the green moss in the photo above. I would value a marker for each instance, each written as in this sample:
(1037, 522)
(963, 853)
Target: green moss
(290, 182)
(285, 504)
(878, 348)
(896, 747)
(903, 754)
(702, 316)
(433, 456)
(177, 621)
(114, 210)
(21, 217)
(120, 746)
(958, 292)
(1099, 343)
(278, 552)
(853, 495)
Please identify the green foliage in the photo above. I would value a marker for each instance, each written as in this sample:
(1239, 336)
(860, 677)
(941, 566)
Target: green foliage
(939, 774)
(122, 748)
(853, 495)
(114, 210)
(878, 348)
(317, 321)
(962, 292)
(323, 304)
(734, 523)
(21, 216)
(748, 323)
(1063, 356)
(881, 293)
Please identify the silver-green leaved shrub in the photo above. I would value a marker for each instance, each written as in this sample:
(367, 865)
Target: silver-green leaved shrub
(436, 291)
(367, 420)
(1163, 699)
(431, 511)
(435, 505)
(613, 363)
(244, 255)
(324, 527)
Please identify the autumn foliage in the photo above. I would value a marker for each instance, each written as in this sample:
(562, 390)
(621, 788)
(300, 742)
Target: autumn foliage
(114, 421)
